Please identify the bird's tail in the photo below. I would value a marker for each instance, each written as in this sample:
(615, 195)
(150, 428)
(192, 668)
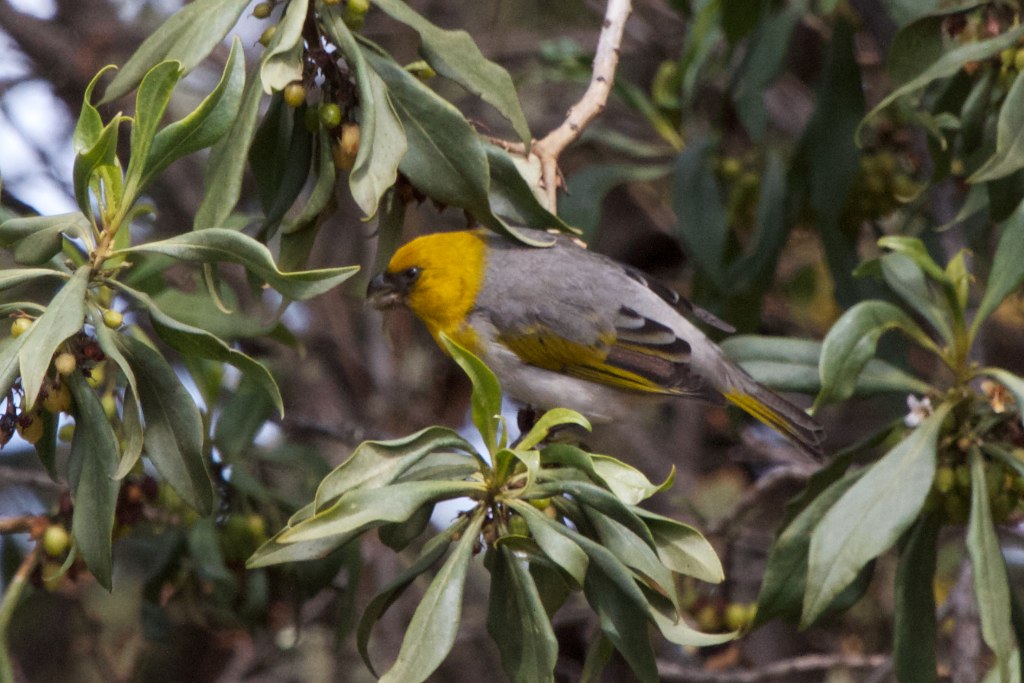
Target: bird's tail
(768, 407)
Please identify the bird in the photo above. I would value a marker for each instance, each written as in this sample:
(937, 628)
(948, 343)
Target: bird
(564, 326)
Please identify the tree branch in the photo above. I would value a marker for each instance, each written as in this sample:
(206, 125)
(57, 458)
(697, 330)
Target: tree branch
(779, 670)
(593, 102)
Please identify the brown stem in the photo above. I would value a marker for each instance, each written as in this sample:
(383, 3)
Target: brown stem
(593, 102)
(780, 670)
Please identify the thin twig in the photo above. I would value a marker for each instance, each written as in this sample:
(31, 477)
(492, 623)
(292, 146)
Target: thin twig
(37, 478)
(593, 102)
(775, 671)
(20, 525)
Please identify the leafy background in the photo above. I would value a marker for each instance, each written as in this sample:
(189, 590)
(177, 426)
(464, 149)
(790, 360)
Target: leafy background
(727, 163)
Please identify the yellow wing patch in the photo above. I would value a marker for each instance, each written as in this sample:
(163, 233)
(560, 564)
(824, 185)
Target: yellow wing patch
(589, 362)
(760, 411)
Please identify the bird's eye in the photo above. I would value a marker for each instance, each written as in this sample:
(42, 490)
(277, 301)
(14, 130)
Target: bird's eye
(410, 274)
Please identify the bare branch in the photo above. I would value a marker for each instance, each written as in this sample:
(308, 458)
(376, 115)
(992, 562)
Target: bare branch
(593, 102)
(21, 525)
(779, 670)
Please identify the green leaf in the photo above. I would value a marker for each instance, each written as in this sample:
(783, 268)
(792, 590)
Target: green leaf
(486, 398)
(46, 447)
(785, 576)
(431, 632)
(914, 623)
(699, 210)
(150, 104)
(280, 157)
(915, 47)
(553, 418)
(362, 509)
(318, 201)
(626, 482)
(679, 632)
(217, 245)
(682, 548)
(787, 364)
(559, 548)
(826, 163)
(518, 623)
(9, 365)
(512, 197)
(623, 620)
(398, 536)
(454, 55)
(133, 434)
(89, 161)
(63, 318)
(37, 239)
(187, 37)
(222, 180)
(762, 65)
(275, 552)
(375, 464)
(990, 583)
(205, 125)
(1007, 268)
(947, 65)
(282, 59)
(432, 551)
(16, 276)
(90, 124)
(196, 342)
(851, 343)
(871, 515)
(1009, 154)
(90, 473)
(174, 428)
(382, 137)
(600, 499)
(905, 277)
(634, 552)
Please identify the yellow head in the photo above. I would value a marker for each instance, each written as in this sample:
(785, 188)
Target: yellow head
(437, 277)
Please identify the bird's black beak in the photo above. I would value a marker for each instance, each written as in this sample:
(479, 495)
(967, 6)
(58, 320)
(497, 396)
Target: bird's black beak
(383, 292)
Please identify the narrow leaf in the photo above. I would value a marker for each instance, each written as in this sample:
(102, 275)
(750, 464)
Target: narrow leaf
(518, 623)
(174, 428)
(914, 623)
(382, 136)
(63, 318)
(486, 398)
(91, 467)
(455, 55)
(217, 245)
(187, 37)
(872, 515)
(851, 343)
(990, 583)
(432, 630)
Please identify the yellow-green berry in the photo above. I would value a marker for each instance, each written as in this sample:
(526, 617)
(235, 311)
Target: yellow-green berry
(56, 540)
(65, 363)
(112, 319)
(30, 428)
(294, 94)
(20, 326)
(262, 10)
(267, 35)
(58, 399)
(330, 115)
(66, 433)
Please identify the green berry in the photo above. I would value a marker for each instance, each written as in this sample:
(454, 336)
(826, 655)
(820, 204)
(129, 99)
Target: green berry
(945, 479)
(20, 326)
(267, 35)
(109, 404)
(295, 94)
(262, 10)
(56, 540)
(330, 115)
(1018, 60)
(66, 433)
(735, 616)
